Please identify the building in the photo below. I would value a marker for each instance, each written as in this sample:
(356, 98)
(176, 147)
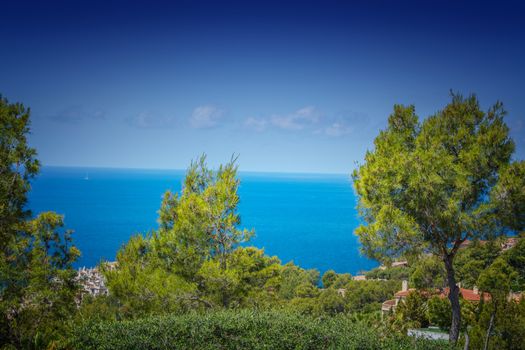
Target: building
(509, 243)
(432, 333)
(400, 263)
(390, 305)
(471, 295)
(506, 244)
(92, 281)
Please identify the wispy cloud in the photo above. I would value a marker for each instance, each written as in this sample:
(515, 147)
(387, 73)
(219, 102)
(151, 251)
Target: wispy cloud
(337, 129)
(345, 123)
(298, 120)
(204, 117)
(310, 119)
(76, 113)
(301, 119)
(257, 124)
(151, 120)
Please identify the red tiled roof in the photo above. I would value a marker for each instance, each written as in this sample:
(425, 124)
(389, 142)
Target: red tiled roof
(505, 245)
(468, 242)
(390, 302)
(467, 294)
(404, 293)
(388, 305)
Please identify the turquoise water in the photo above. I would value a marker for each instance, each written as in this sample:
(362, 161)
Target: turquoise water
(301, 217)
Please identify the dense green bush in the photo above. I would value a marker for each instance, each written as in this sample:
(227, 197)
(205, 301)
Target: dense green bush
(241, 329)
(397, 273)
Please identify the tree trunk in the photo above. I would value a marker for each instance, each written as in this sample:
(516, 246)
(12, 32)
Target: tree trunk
(453, 296)
(491, 324)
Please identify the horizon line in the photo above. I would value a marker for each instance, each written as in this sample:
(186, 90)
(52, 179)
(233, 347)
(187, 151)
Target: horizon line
(180, 169)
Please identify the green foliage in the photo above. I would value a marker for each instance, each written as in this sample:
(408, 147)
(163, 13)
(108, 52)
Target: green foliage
(497, 279)
(509, 195)
(397, 273)
(245, 329)
(502, 318)
(329, 278)
(97, 309)
(474, 259)
(430, 185)
(184, 264)
(363, 297)
(330, 302)
(142, 284)
(37, 285)
(303, 305)
(507, 331)
(428, 273)
(295, 279)
(515, 258)
(203, 221)
(425, 184)
(411, 312)
(44, 297)
(439, 311)
(342, 280)
(367, 296)
(18, 166)
(250, 279)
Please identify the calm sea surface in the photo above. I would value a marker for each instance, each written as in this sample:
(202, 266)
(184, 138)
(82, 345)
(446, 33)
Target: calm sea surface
(301, 217)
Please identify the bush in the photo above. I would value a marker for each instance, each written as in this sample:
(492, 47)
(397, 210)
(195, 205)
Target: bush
(241, 329)
(397, 273)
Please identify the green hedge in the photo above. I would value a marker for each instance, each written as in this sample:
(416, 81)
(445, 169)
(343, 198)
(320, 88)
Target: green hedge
(240, 329)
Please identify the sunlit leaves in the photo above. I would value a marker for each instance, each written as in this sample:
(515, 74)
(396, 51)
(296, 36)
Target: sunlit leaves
(37, 286)
(431, 181)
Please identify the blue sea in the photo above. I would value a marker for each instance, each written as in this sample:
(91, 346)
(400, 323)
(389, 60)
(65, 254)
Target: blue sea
(305, 218)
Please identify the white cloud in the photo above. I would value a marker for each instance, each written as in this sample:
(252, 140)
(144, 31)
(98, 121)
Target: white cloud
(337, 129)
(204, 117)
(257, 124)
(301, 119)
(298, 120)
(310, 119)
(344, 123)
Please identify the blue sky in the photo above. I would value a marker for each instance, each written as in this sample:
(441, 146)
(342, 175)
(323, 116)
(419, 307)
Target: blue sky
(292, 86)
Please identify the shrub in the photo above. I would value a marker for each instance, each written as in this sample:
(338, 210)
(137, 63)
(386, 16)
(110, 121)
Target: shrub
(241, 329)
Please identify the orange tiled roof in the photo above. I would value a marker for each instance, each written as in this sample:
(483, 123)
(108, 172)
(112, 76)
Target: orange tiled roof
(467, 294)
(404, 293)
(388, 305)
(468, 242)
(505, 245)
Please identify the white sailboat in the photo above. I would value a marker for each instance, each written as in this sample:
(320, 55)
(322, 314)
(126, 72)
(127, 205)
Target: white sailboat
(86, 177)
